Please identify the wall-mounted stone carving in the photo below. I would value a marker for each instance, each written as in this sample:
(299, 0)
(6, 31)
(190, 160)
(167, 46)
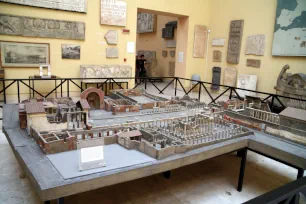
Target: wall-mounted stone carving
(146, 23)
(164, 53)
(247, 82)
(200, 41)
(256, 45)
(41, 27)
(111, 37)
(171, 43)
(168, 32)
(112, 52)
(172, 53)
(171, 69)
(148, 55)
(68, 5)
(105, 71)
(218, 42)
(230, 76)
(113, 12)
(253, 63)
(234, 43)
(217, 56)
(216, 78)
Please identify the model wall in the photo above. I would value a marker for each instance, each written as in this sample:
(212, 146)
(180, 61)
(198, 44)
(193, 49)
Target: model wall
(155, 42)
(259, 18)
(94, 45)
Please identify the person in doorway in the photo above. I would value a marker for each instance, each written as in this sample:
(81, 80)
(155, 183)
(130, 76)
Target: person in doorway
(143, 71)
(137, 74)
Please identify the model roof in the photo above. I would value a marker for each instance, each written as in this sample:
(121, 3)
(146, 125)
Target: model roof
(34, 107)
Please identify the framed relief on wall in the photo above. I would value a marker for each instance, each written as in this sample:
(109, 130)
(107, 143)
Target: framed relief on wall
(21, 54)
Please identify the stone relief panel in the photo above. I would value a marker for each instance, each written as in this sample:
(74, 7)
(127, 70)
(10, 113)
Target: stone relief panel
(171, 69)
(216, 78)
(105, 71)
(253, 63)
(234, 43)
(168, 32)
(40, 27)
(112, 52)
(146, 23)
(230, 76)
(200, 41)
(164, 53)
(171, 43)
(247, 82)
(217, 56)
(67, 5)
(148, 55)
(111, 37)
(256, 45)
(172, 53)
(113, 12)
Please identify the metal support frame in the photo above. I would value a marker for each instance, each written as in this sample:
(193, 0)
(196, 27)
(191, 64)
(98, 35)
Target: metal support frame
(167, 174)
(242, 169)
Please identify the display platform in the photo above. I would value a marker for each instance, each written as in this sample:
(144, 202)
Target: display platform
(115, 157)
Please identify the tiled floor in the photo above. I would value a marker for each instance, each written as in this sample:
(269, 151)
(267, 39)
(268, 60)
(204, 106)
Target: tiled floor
(212, 181)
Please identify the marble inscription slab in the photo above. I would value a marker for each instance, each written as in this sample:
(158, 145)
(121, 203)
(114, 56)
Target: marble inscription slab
(105, 71)
(234, 43)
(253, 63)
(112, 52)
(200, 41)
(218, 42)
(113, 12)
(256, 45)
(247, 82)
(171, 43)
(216, 78)
(146, 23)
(230, 76)
(171, 69)
(217, 56)
(41, 27)
(111, 37)
(67, 5)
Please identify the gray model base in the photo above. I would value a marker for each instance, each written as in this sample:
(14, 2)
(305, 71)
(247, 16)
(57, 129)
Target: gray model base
(115, 156)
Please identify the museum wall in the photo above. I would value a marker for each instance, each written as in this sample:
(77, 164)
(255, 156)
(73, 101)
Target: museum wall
(155, 42)
(259, 18)
(94, 45)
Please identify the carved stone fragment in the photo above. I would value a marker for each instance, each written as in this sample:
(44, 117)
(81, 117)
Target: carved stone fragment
(113, 12)
(168, 32)
(111, 37)
(171, 69)
(230, 76)
(171, 43)
(253, 63)
(148, 55)
(68, 5)
(112, 52)
(217, 56)
(234, 43)
(40, 27)
(146, 23)
(218, 42)
(247, 82)
(216, 78)
(200, 41)
(256, 45)
(172, 53)
(164, 53)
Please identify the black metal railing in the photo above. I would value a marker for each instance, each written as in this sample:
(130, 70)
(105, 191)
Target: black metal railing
(108, 84)
(287, 194)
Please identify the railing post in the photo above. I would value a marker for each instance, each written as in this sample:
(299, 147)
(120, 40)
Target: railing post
(272, 104)
(231, 93)
(18, 91)
(4, 92)
(145, 84)
(61, 88)
(200, 86)
(68, 88)
(175, 89)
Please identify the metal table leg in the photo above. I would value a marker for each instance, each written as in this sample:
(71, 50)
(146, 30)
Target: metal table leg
(242, 168)
(167, 174)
